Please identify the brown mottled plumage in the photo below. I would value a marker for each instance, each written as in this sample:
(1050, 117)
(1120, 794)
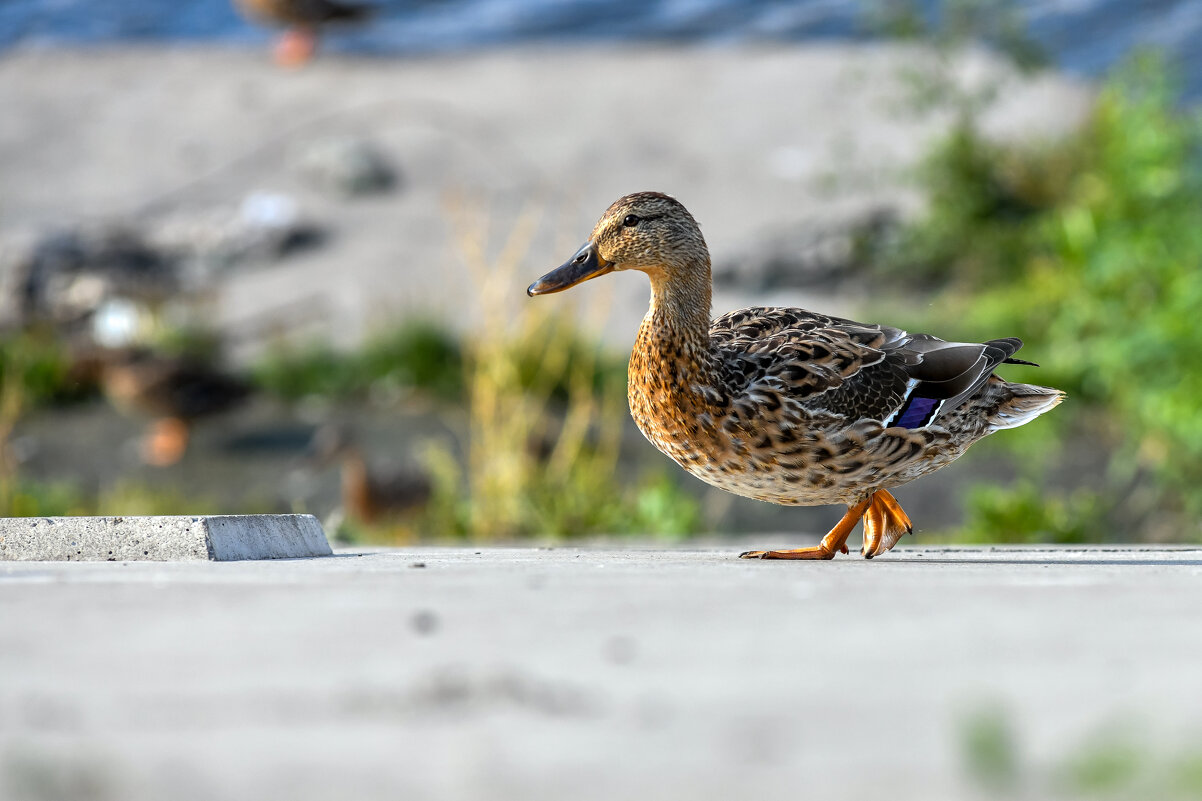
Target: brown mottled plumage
(368, 496)
(302, 12)
(174, 391)
(785, 405)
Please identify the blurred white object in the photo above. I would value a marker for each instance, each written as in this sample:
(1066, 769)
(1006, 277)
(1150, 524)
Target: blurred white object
(268, 210)
(118, 322)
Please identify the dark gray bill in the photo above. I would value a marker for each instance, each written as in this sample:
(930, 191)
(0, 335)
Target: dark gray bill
(586, 264)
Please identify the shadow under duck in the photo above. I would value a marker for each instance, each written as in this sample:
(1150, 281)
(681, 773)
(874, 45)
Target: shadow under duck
(789, 406)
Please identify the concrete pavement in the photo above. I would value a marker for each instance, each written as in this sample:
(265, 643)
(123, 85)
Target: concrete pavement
(222, 538)
(583, 673)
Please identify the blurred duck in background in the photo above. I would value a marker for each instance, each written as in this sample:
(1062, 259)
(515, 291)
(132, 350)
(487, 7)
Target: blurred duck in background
(174, 391)
(301, 21)
(370, 495)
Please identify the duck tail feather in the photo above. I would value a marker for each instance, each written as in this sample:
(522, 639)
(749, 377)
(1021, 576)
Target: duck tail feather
(1024, 404)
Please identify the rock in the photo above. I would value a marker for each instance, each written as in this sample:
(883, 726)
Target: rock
(347, 166)
(265, 226)
(63, 277)
(809, 255)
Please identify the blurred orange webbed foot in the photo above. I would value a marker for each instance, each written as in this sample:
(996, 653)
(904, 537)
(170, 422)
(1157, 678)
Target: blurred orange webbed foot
(166, 442)
(295, 48)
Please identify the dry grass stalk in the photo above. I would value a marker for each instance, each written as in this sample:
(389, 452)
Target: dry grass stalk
(522, 448)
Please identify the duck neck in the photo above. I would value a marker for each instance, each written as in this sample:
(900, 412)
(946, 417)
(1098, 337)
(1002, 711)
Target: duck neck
(677, 325)
(356, 488)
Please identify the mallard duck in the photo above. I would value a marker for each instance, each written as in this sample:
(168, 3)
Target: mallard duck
(301, 20)
(368, 496)
(173, 391)
(786, 405)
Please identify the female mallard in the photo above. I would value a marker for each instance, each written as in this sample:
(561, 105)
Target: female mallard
(174, 391)
(785, 405)
(368, 496)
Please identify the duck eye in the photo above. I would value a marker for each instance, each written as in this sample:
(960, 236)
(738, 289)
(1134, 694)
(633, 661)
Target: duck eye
(631, 220)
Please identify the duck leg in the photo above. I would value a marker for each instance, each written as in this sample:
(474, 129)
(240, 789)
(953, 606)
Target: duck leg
(884, 524)
(834, 542)
(296, 46)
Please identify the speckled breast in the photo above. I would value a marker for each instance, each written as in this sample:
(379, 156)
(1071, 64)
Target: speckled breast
(731, 460)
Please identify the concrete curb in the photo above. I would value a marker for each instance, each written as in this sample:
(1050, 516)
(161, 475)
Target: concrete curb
(220, 538)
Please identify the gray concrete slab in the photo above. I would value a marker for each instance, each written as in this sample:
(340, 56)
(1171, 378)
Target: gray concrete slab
(220, 538)
(588, 673)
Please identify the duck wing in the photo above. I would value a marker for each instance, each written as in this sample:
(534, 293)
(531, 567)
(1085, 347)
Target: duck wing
(190, 390)
(858, 371)
(330, 11)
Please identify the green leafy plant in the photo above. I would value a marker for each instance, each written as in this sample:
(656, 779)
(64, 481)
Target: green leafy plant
(35, 498)
(129, 497)
(1024, 513)
(417, 355)
(33, 369)
(989, 750)
(1090, 249)
(1116, 761)
(1109, 763)
(38, 365)
(21, 498)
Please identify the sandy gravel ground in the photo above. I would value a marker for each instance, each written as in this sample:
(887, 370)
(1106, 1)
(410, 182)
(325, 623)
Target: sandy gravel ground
(754, 142)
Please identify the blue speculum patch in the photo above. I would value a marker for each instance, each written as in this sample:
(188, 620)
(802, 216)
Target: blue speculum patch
(917, 413)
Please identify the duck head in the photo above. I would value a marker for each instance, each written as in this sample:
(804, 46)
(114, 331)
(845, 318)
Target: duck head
(646, 231)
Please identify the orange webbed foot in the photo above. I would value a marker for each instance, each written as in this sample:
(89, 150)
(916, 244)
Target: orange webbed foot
(816, 552)
(885, 522)
(834, 542)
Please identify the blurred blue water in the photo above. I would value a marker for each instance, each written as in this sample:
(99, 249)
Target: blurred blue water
(1082, 36)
